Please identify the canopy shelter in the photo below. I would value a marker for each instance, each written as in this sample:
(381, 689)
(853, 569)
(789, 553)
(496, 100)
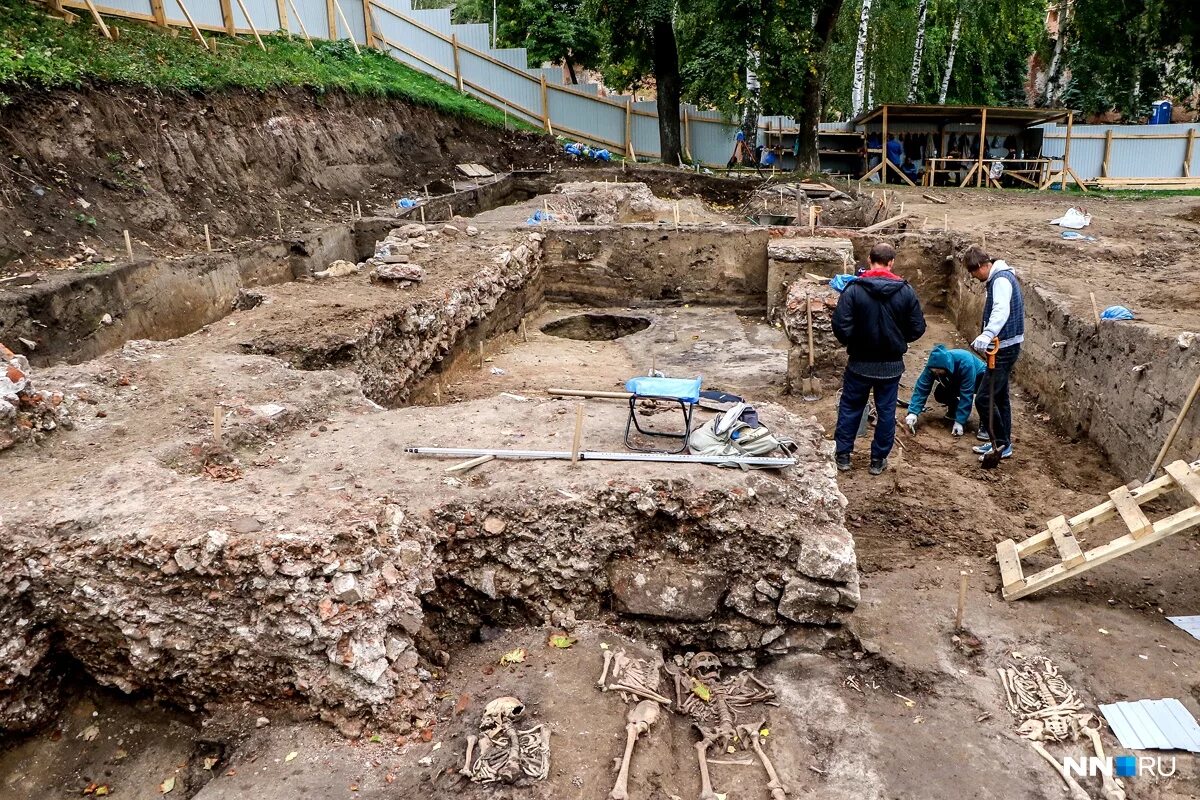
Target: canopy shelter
(968, 145)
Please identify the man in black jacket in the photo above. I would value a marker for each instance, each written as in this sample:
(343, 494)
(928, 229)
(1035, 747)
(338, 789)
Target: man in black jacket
(876, 317)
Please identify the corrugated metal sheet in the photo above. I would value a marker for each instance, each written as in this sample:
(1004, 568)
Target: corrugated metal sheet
(1153, 725)
(1128, 158)
(1189, 624)
(521, 91)
(136, 6)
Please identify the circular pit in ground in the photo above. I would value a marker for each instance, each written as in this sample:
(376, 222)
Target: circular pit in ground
(595, 327)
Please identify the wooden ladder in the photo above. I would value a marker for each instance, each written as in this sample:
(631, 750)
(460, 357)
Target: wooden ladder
(1127, 504)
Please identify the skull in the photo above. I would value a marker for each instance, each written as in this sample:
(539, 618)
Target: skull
(500, 711)
(705, 666)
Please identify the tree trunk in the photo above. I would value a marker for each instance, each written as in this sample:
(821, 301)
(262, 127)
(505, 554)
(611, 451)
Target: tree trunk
(753, 105)
(950, 57)
(666, 76)
(858, 89)
(807, 156)
(571, 71)
(914, 77)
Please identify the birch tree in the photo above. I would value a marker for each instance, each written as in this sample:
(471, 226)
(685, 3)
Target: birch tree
(918, 49)
(858, 90)
(950, 56)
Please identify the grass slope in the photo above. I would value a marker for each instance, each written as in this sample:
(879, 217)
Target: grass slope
(39, 51)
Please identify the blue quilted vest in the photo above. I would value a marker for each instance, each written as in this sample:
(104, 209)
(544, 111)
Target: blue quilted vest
(1014, 328)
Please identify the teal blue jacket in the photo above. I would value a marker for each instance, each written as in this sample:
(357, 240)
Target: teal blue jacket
(964, 368)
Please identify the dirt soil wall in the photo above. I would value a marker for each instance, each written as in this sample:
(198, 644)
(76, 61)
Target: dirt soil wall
(626, 264)
(163, 165)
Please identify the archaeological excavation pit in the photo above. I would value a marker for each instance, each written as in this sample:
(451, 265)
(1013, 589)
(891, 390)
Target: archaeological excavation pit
(595, 327)
(306, 564)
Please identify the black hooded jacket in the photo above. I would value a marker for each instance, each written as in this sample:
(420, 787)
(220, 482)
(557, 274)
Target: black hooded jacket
(877, 317)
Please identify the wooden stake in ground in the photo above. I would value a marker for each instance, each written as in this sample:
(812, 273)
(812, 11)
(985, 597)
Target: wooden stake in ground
(481, 356)
(812, 220)
(128, 245)
(676, 215)
(466, 466)
(962, 599)
(524, 332)
(207, 238)
(218, 419)
(279, 220)
(421, 208)
(575, 441)
(1095, 309)
(945, 222)
(358, 208)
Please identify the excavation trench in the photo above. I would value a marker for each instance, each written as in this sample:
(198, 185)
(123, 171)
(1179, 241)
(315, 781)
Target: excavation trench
(406, 564)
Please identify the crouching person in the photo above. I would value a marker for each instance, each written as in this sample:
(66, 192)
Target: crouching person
(953, 377)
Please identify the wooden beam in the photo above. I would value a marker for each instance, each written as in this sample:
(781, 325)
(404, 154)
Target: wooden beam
(878, 226)
(1187, 153)
(545, 105)
(369, 25)
(227, 17)
(457, 65)
(250, 22)
(1131, 513)
(883, 140)
(1062, 183)
(191, 22)
(300, 20)
(1186, 479)
(99, 20)
(687, 135)
(331, 19)
(1010, 566)
(629, 151)
(160, 13)
(349, 30)
(1068, 546)
(1108, 139)
(982, 145)
(285, 24)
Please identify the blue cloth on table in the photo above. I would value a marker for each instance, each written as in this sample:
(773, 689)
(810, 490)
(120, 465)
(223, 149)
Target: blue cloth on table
(685, 389)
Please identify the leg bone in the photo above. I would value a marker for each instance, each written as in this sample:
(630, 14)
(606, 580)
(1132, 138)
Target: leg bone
(466, 770)
(1076, 791)
(778, 792)
(603, 682)
(706, 790)
(643, 715)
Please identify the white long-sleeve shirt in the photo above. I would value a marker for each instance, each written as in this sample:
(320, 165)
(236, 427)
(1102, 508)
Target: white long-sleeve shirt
(1001, 304)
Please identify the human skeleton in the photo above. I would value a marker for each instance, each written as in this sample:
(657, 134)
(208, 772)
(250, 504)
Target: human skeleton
(711, 701)
(1049, 710)
(504, 752)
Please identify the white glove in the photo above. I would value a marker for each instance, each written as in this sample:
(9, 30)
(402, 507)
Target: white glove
(981, 342)
(910, 422)
(956, 429)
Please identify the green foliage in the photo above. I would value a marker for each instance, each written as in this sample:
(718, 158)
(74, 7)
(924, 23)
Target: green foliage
(38, 51)
(551, 30)
(1126, 54)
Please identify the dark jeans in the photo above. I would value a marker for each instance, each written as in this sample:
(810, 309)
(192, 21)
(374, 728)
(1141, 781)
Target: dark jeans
(855, 391)
(948, 394)
(1006, 359)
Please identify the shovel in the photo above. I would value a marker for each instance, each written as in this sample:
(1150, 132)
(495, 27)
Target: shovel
(991, 459)
(810, 384)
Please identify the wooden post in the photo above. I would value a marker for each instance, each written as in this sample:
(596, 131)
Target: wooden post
(546, 106)
(687, 134)
(812, 220)
(1187, 405)
(128, 245)
(331, 19)
(99, 20)
(192, 23)
(1108, 136)
(207, 239)
(285, 24)
(346, 25)
(457, 67)
(962, 599)
(1066, 170)
(575, 440)
(218, 419)
(160, 13)
(524, 331)
(369, 26)
(421, 208)
(629, 151)
(250, 22)
(300, 20)
(1095, 309)
(1187, 152)
(883, 154)
(676, 215)
(982, 145)
(481, 356)
(227, 17)
(279, 220)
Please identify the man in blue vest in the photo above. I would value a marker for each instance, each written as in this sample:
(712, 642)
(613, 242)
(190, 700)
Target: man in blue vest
(1003, 319)
(876, 318)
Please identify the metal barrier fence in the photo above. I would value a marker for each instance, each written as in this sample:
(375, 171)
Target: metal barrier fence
(1127, 151)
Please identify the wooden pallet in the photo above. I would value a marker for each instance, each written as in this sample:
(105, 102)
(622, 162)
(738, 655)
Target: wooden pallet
(474, 170)
(1127, 504)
